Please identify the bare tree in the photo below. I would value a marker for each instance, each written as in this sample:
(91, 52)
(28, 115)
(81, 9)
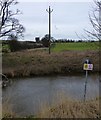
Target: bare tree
(95, 20)
(8, 23)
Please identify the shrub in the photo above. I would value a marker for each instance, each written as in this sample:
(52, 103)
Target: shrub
(14, 45)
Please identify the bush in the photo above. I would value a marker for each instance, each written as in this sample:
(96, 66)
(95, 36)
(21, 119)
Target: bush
(45, 40)
(14, 45)
(5, 48)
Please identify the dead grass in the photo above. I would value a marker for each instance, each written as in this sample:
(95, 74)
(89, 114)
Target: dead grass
(61, 107)
(39, 62)
(7, 109)
(71, 109)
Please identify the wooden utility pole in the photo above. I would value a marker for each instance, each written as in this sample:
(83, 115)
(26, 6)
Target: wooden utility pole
(49, 11)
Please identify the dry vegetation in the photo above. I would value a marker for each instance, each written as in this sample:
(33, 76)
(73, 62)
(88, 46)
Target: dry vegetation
(64, 108)
(39, 62)
(7, 110)
(72, 109)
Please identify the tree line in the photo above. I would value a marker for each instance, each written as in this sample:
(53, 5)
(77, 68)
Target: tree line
(10, 26)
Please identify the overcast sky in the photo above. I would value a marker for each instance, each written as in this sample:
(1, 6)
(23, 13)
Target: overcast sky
(68, 18)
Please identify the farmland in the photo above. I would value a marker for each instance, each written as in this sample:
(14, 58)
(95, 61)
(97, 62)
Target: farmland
(56, 47)
(80, 46)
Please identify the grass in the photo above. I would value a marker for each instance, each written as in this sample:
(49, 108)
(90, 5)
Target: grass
(39, 62)
(72, 109)
(61, 107)
(65, 58)
(7, 109)
(80, 46)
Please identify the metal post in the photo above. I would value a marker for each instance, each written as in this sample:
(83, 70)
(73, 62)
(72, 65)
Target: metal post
(49, 11)
(85, 86)
(87, 66)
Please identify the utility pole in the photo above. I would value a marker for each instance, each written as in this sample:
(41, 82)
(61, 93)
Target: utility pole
(49, 11)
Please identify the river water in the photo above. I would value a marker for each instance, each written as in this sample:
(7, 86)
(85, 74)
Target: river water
(27, 95)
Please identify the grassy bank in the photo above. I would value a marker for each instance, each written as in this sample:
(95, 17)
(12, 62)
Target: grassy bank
(39, 62)
(63, 108)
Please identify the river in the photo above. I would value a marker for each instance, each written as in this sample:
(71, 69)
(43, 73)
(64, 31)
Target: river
(27, 95)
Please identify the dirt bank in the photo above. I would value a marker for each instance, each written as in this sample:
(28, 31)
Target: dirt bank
(39, 62)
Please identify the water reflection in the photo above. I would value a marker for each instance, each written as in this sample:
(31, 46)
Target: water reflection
(27, 95)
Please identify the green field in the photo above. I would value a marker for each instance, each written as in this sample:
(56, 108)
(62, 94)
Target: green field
(80, 46)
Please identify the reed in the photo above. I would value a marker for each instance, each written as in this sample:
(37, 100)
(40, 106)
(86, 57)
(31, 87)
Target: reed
(39, 62)
(60, 107)
(7, 109)
(69, 108)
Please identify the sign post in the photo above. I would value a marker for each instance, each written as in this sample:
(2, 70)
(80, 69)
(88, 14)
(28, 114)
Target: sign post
(87, 66)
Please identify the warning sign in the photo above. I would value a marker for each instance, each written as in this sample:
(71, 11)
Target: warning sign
(88, 67)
